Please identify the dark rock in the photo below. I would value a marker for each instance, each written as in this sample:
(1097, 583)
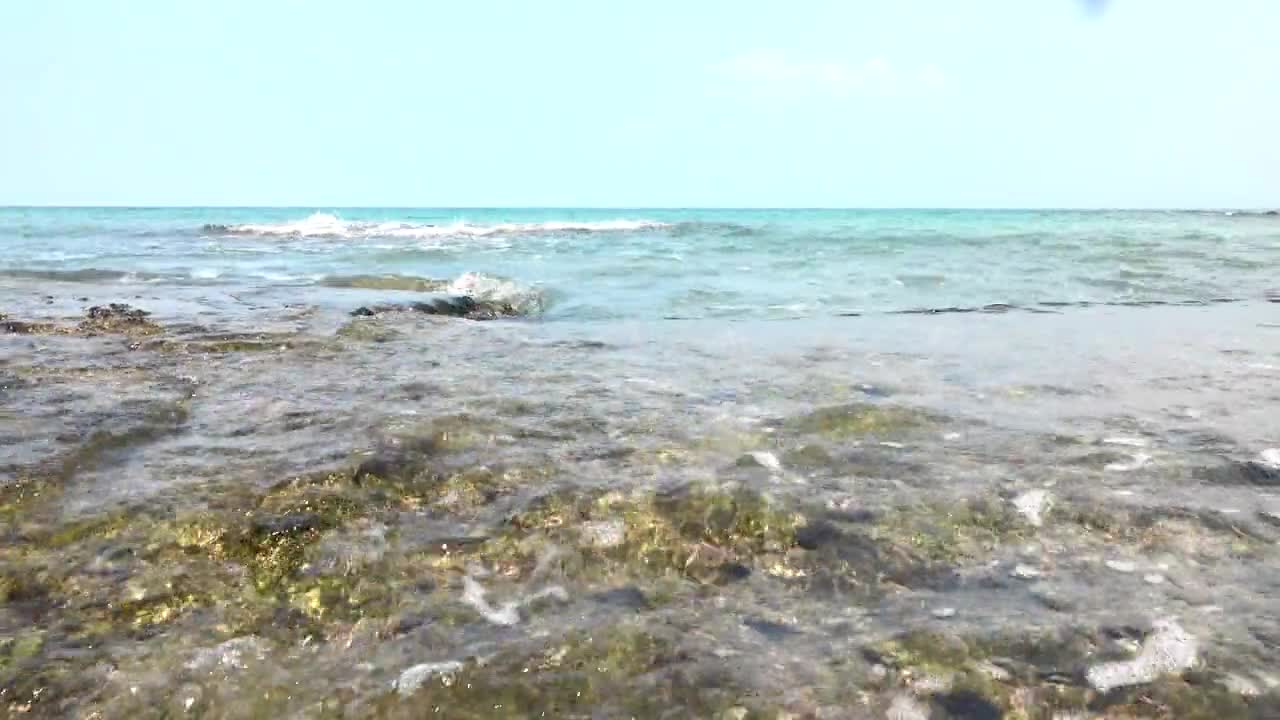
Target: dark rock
(817, 534)
(629, 597)
(1240, 473)
(459, 306)
(770, 629)
(967, 705)
(289, 524)
(118, 318)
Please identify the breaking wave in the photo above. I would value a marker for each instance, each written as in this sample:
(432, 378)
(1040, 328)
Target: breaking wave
(325, 225)
(522, 299)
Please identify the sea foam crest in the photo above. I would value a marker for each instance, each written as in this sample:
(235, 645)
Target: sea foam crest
(329, 225)
(523, 299)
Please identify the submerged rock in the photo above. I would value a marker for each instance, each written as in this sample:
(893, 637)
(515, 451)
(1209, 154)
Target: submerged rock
(1167, 649)
(1249, 472)
(18, 327)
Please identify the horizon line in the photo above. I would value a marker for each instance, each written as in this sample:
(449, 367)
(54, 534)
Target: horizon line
(1030, 208)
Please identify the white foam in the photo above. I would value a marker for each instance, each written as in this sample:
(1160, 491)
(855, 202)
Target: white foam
(1032, 505)
(486, 288)
(329, 225)
(474, 594)
(1126, 441)
(508, 613)
(1138, 460)
(1270, 456)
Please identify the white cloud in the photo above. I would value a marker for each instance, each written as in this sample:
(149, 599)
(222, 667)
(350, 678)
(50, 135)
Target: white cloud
(775, 73)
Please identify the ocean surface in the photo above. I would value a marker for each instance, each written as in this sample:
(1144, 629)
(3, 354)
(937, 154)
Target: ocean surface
(655, 264)
(398, 463)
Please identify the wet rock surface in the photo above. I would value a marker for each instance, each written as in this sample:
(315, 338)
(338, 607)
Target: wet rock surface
(401, 515)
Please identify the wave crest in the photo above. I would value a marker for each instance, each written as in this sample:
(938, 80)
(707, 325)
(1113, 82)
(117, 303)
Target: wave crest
(326, 225)
(522, 299)
(516, 298)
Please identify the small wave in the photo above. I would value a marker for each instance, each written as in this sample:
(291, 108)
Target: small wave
(518, 298)
(408, 283)
(523, 299)
(325, 225)
(88, 275)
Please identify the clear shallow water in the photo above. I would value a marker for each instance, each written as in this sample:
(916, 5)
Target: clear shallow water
(647, 264)
(252, 504)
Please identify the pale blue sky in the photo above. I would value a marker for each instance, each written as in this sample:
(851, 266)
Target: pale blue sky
(885, 103)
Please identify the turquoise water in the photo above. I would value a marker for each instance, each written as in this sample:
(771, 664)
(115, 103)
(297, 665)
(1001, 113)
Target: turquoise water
(651, 264)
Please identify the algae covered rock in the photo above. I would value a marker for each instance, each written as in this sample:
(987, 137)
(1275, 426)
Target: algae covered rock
(119, 319)
(458, 306)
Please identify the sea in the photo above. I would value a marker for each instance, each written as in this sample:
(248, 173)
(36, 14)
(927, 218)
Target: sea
(551, 462)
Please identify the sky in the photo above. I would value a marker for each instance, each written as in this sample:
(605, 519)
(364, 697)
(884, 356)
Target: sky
(661, 103)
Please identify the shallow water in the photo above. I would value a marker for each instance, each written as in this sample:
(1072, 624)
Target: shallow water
(252, 504)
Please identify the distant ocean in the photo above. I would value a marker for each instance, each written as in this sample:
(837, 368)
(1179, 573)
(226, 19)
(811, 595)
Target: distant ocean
(654, 264)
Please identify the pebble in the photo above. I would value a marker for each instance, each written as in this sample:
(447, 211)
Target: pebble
(1032, 505)
(767, 460)
(413, 678)
(1123, 566)
(1025, 572)
(943, 613)
(1167, 649)
(1153, 579)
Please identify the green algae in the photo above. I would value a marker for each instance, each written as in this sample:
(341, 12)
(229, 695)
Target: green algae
(270, 542)
(229, 344)
(367, 330)
(953, 533)
(1033, 676)
(622, 671)
(856, 420)
(1203, 533)
(705, 534)
(808, 457)
(407, 283)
